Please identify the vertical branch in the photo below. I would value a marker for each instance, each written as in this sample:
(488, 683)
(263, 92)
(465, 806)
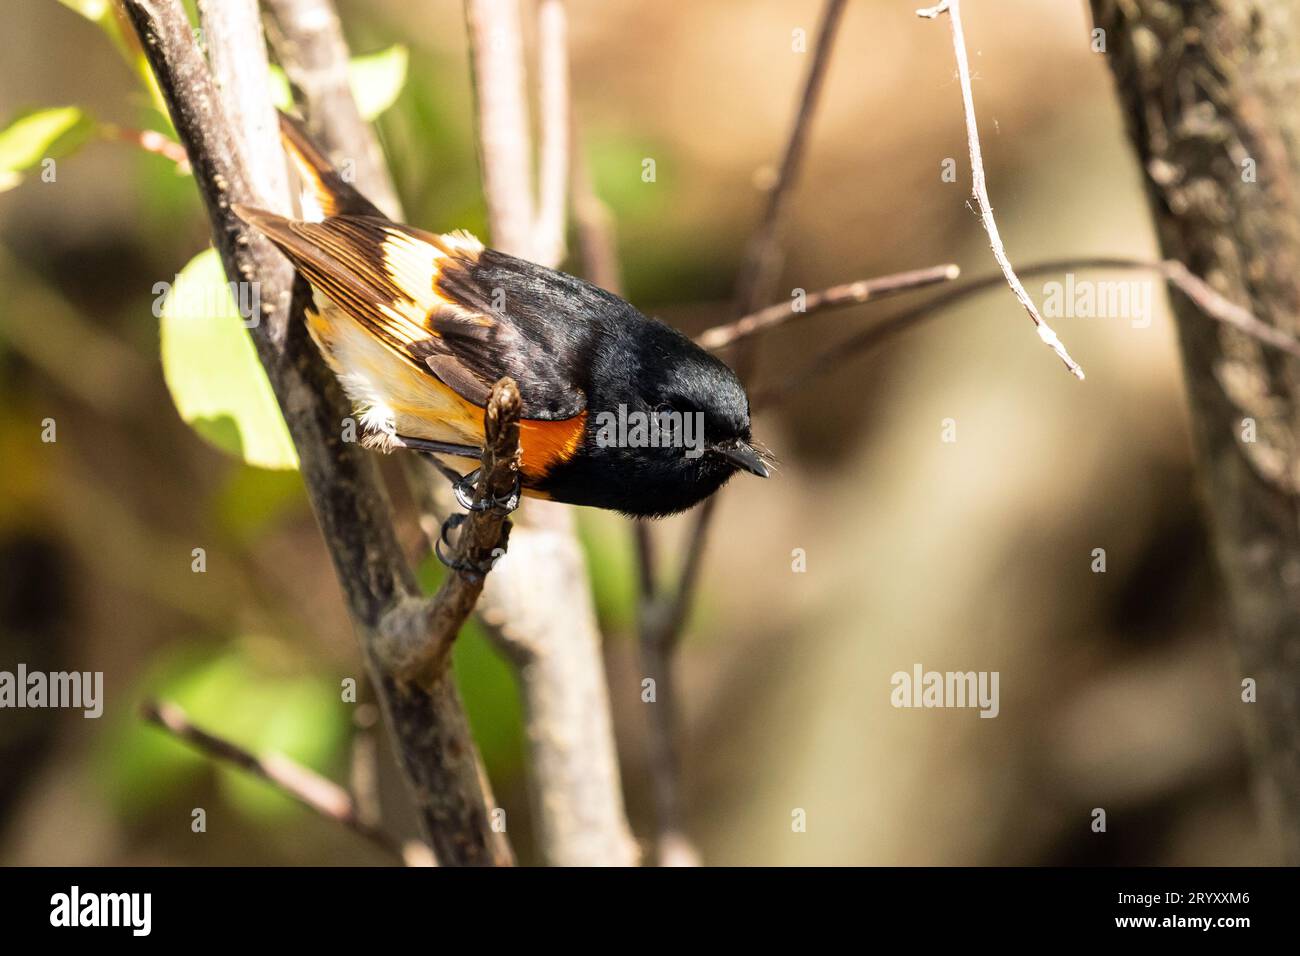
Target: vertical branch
(342, 480)
(308, 41)
(363, 766)
(553, 104)
(1216, 127)
(538, 602)
(663, 618)
(592, 223)
(497, 59)
(243, 76)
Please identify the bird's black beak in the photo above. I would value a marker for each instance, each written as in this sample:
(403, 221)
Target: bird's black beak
(741, 455)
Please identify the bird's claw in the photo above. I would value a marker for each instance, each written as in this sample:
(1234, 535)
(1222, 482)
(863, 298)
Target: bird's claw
(464, 490)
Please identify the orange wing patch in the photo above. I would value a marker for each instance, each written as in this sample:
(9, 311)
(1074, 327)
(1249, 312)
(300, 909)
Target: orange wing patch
(548, 444)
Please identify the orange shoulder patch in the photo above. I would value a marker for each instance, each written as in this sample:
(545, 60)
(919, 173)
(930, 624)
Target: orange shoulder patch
(548, 444)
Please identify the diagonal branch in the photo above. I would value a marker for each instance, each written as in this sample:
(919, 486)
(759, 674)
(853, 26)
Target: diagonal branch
(762, 262)
(428, 723)
(979, 187)
(301, 783)
(1208, 300)
(483, 536)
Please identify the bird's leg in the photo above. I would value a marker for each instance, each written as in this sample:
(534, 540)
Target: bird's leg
(464, 489)
(463, 486)
(432, 449)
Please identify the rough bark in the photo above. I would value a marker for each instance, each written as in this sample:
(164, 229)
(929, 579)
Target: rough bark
(1209, 91)
(342, 479)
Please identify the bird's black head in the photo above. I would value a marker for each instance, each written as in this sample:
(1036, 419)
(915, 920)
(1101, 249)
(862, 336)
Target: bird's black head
(667, 424)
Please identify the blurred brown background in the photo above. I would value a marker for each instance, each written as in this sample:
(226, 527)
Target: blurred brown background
(1117, 690)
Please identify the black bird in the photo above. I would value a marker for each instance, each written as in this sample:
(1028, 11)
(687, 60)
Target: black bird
(620, 411)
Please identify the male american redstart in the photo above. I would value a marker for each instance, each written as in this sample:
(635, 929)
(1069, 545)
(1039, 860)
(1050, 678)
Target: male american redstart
(619, 411)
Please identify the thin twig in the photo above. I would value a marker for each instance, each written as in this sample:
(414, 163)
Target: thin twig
(1209, 301)
(836, 297)
(151, 141)
(1217, 307)
(762, 261)
(303, 784)
(979, 188)
(363, 766)
(593, 223)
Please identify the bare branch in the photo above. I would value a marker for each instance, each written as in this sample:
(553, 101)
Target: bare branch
(1209, 301)
(151, 141)
(594, 224)
(836, 297)
(1217, 307)
(497, 59)
(301, 783)
(553, 114)
(762, 261)
(363, 766)
(342, 479)
(538, 605)
(243, 76)
(979, 188)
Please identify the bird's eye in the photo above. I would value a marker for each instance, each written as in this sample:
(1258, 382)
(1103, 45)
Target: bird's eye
(668, 420)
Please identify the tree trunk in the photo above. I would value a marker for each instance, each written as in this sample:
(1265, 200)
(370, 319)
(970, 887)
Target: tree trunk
(1209, 90)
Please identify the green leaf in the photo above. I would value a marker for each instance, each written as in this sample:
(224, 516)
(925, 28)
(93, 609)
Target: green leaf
(39, 135)
(376, 80)
(212, 371)
(281, 91)
(97, 11)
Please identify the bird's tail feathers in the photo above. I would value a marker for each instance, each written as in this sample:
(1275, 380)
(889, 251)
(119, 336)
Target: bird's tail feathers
(325, 192)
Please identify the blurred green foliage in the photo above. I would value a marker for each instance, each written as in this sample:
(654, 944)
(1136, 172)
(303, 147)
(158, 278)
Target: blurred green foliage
(39, 135)
(251, 502)
(254, 692)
